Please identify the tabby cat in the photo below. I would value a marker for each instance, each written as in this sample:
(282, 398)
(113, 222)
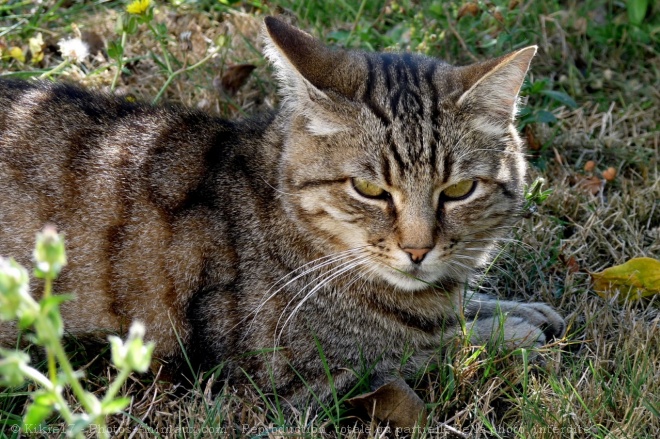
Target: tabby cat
(347, 221)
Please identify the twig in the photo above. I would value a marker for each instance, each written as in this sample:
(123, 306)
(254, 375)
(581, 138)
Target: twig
(355, 23)
(458, 37)
(453, 430)
(153, 400)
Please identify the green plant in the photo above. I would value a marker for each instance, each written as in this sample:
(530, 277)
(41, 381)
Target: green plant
(44, 318)
(535, 195)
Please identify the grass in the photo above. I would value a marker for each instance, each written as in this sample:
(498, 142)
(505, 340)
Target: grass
(592, 94)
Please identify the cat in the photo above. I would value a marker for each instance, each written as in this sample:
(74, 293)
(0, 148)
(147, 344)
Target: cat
(344, 225)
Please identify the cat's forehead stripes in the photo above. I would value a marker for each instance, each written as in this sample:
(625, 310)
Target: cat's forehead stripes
(399, 91)
(411, 97)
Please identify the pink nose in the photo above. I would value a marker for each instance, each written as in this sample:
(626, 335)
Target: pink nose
(417, 254)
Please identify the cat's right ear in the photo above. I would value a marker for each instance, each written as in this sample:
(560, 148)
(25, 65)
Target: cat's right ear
(296, 54)
(308, 71)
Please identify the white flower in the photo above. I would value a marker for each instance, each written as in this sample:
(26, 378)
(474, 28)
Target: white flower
(133, 354)
(74, 49)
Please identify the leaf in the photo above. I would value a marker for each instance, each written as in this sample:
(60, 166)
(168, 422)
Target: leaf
(544, 116)
(560, 97)
(36, 47)
(468, 9)
(235, 77)
(35, 415)
(94, 42)
(115, 50)
(533, 142)
(394, 402)
(79, 424)
(637, 278)
(17, 54)
(591, 185)
(116, 405)
(636, 10)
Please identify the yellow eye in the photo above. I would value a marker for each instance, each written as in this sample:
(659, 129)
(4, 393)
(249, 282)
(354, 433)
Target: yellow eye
(368, 189)
(459, 190)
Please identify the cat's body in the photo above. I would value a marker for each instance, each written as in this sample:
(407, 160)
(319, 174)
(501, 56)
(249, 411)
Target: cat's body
(307, 227)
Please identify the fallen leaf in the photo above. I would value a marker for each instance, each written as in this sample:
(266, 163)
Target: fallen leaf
(36, 47)
(591, 185)
(558, 157)
(570, 263)
(468, 9)
(235, 77)
(395, 403)
(533, 142)
(94, 42)
(637, 278)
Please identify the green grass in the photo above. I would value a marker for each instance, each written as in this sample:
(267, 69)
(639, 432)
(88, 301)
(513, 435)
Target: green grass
(591, 95)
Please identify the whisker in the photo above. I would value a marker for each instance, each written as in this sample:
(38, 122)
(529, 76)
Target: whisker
(321, 262)
(458, 273)
(500, 269)
(336, 272)
(466, 267)
(523, 245)
(358, 276)
(279, 190)
(502, 151)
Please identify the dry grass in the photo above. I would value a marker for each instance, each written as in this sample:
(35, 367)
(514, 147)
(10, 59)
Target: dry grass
(602, 381)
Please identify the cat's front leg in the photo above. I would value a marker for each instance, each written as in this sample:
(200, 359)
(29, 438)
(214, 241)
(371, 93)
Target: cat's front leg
(511, 325)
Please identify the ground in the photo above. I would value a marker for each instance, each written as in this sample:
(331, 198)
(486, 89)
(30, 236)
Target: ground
(591, 123)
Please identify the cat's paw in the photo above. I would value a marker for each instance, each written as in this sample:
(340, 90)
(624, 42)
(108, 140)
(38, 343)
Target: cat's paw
(513, 325)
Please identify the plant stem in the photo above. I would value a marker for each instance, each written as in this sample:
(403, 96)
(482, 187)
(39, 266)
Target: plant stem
(163, 47)
(356, 22)
(73, 380)
(114, 388)
(120, 62)
(116, 384)
(54, 70)
(52, 367)
(183, 70)
(48, 287)
(40, 379)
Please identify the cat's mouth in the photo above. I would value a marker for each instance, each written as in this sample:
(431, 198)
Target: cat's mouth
(412, 278)
(432, 274)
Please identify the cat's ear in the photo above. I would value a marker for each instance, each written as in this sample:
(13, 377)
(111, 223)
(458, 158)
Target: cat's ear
(309, 71)
(492, 87)
(297, 54)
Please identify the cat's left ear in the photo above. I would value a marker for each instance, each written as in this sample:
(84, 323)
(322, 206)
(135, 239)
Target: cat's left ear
(492, 87)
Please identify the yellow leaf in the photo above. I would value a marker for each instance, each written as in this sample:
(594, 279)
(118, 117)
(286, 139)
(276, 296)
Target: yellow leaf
(36, 46)
(17, 54)
(637, 278)
(37, 58)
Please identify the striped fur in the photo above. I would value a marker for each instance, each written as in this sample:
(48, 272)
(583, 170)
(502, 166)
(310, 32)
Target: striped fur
(241, 236)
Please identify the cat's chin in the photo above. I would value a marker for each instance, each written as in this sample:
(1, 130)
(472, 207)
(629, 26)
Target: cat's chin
(404, 281)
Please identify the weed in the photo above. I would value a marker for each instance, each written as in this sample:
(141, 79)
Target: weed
(591, 96)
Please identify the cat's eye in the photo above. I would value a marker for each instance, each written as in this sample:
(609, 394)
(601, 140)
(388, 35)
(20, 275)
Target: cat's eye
(368, 189)
(460, 190)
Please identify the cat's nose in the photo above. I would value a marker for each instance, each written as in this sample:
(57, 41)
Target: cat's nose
(417, 254)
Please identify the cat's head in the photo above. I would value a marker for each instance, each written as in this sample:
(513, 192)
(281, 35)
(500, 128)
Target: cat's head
(409, 166)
